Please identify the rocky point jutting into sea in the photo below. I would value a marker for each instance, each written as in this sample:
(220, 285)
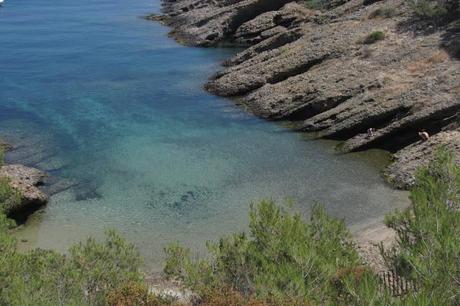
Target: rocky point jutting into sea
(326, 71)
(26, 181)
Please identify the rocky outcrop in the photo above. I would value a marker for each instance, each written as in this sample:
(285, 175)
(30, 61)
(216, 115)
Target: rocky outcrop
(401, 172)
(272, 23)
(171, 289)
(26, 181)
(5, 146)
(337, 72)
(236, 22)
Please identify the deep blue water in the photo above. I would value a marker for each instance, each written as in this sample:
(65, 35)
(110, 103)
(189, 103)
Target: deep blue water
(115, 111)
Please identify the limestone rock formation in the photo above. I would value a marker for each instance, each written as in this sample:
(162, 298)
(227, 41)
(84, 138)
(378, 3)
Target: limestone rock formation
(26, 181)
(401, 172)
(338, 71)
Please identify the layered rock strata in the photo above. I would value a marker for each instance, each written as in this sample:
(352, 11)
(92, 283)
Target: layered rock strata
(337, 72)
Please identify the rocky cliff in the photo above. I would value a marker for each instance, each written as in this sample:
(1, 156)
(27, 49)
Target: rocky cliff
(337, 71)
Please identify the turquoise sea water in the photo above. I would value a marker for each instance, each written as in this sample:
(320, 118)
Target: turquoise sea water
(115, 111)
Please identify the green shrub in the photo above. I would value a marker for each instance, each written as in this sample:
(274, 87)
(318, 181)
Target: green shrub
(175, 257)
(434, 8)
(84, 277)
(282, 258)
(324, 4)
(428, 244)
(374, 37)
(2, 154)
(9, 197)
(100, 267)
(314, 4)
(383, 12)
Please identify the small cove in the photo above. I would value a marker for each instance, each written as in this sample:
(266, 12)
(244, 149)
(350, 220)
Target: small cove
(105, 101)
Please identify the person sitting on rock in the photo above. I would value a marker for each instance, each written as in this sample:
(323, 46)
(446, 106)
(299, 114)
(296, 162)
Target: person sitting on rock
(370, 132)
(424, 135)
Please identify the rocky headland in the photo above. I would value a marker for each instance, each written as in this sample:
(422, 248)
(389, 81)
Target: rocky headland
(336, 71)
(26, 181)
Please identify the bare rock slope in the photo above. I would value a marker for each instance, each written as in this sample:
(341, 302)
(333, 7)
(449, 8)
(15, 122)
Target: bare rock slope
(357, 64)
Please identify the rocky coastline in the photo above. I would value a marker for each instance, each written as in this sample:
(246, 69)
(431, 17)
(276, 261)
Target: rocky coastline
(27, 182)
(336, 72)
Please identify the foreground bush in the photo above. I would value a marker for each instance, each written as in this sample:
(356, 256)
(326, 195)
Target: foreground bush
(428, 244)
(84, 277)
(283, 261)
(9, 198)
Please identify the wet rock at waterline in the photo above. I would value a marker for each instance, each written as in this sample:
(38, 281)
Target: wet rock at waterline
(322, 70)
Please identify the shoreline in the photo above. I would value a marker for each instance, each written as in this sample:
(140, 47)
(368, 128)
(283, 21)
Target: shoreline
(329, 96)
(27, 181)
(289, 72)
(334, 172)
(368, 227)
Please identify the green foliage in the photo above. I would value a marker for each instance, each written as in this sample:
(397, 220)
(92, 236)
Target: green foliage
(324, 4)
(84, 277)
(374, 37)
(9, 197)
(428, 245)
(175, 256)
(383, 12)
(282, 257)
(39, 278)
(433, 8)
(101, 267)
(314, 4)
(2, 154)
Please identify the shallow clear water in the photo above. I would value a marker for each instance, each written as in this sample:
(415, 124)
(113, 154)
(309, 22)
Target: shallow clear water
(111, 106)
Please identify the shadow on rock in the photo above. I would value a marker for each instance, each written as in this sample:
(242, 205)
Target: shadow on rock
(448, 28)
